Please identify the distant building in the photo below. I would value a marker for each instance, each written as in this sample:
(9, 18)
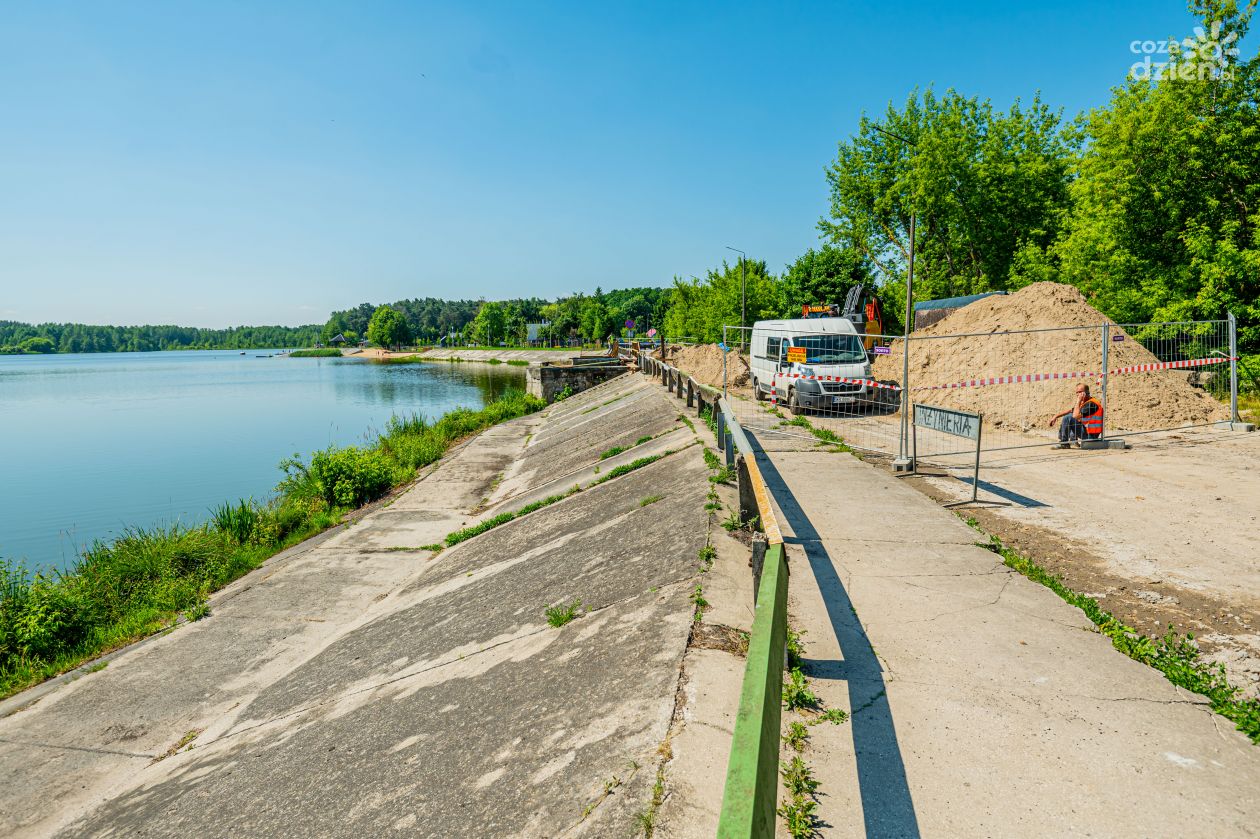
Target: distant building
(338, 339)
(534, 331)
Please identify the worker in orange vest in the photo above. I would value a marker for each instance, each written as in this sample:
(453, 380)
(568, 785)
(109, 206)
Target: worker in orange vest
(1083, 422)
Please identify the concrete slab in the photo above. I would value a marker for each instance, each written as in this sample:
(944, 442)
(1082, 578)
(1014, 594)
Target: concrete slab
(982, 704)
(358, 691)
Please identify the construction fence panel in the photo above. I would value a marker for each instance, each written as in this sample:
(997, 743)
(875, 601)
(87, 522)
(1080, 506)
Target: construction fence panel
(814, 382)
(1164, 376)
(811, 381)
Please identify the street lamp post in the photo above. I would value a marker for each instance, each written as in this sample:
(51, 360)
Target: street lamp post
(904, 463)
(743, 299)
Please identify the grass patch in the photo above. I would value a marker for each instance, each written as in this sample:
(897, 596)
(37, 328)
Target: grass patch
(141, 582)
(559, 615)
(687, 422)
(642, 440)
(517, 362)
(503, 518)
(1176, 656)
(651, 499)
(493, 361)
(613, 452)
(627, 468)
(316, 353)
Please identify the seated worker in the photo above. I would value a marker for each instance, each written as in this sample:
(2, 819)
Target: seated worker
(1083, 422)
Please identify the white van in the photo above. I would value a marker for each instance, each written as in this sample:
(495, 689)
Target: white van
(832, 349)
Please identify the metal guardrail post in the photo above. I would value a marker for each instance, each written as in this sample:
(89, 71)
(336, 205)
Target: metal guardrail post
(1233, 370)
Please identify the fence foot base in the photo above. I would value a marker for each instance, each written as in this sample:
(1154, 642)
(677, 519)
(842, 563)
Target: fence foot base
(903, 464)
(1104, 444)
(1236, 426)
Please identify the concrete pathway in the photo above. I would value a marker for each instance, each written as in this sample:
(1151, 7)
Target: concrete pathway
(982, 704)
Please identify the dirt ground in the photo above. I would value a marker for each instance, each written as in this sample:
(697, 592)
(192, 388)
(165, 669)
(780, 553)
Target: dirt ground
(1164, 533)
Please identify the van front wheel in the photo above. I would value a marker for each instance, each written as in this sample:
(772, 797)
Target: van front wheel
(758, 393)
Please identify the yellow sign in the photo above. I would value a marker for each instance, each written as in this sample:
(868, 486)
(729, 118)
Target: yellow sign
(796, 355)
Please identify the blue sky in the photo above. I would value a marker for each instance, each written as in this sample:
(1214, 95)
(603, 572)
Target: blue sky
(222, 163)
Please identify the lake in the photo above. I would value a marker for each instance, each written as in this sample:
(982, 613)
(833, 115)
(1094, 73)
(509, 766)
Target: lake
(93, 443)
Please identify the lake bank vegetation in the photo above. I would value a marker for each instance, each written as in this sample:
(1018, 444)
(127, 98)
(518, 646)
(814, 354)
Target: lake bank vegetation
(145, 580)
(318, 352)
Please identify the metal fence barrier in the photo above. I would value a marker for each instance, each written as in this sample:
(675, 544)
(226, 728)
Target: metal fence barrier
(812, 381)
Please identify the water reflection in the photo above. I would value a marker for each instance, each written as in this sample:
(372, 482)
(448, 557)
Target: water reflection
(93, 443)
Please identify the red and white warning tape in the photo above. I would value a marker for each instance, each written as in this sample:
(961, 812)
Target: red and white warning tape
(1171, 365)
(841, 379)
(1084, 374)
(1010, 380)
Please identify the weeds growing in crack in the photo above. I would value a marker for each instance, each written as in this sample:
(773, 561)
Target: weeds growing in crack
(711, 459)
(1176, 656)
(697, 597)
(798, 810)
(706, 555)
(797, 694)
(560, 614)
(796, 736)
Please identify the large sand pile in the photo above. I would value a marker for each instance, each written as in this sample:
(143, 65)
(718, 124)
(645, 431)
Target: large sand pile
(1135, 401)
(704, 363)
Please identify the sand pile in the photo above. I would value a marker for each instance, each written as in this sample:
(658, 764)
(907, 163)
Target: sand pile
(704, 363)
(1135, 401)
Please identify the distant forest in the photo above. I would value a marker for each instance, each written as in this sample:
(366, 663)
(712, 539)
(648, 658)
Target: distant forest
(24, 338)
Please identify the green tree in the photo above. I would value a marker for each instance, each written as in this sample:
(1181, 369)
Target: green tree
(700, 308)
(822, 276)
(388, 327)
(983, 183)
(1165, 222)
(488, 327)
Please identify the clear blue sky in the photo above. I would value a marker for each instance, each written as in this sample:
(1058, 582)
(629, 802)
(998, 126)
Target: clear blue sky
(220, 163)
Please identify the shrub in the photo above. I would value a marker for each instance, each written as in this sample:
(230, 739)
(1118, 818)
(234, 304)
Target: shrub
(351, 476)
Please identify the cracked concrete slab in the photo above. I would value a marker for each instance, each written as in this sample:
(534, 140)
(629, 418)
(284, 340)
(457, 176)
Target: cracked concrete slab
(982, 704)
(350, 690)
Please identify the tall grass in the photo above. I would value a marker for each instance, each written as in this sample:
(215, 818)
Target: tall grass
(142, 581)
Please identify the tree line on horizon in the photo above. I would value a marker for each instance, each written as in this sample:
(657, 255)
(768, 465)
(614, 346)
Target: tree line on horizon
(25, 338)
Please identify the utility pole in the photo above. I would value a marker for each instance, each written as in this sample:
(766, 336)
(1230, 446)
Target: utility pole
(743, 298)
(904, 463)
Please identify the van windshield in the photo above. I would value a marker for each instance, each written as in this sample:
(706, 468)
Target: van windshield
(831, 349)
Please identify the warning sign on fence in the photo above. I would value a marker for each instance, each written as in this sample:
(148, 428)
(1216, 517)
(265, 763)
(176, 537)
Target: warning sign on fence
(946, 421)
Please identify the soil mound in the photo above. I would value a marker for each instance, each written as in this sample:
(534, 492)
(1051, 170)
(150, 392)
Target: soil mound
(704, 363)
(1135, 401)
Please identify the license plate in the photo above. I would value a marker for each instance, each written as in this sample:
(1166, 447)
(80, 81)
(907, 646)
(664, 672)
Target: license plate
(836, 400)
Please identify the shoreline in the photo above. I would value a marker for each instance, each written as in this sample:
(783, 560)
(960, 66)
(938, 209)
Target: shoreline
(53, 627)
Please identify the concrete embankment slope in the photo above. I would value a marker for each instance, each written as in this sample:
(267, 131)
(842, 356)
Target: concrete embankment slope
(982, 704)
(362, 687)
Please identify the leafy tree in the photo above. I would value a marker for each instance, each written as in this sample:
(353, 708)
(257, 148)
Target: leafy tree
(388, 327)
(700, 308)
(1165, 223)
(488, 327)
(822, 276)
(984, 184)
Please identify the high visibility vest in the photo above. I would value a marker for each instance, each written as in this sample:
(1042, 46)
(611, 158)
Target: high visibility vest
(1094, 424)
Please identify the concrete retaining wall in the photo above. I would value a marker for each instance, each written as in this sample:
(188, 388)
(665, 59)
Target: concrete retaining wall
(548, 380)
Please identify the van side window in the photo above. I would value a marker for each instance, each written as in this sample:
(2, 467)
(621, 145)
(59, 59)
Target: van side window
(774, 348)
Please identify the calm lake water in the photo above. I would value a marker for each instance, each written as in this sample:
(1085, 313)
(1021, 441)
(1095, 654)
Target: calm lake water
(93, 443)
